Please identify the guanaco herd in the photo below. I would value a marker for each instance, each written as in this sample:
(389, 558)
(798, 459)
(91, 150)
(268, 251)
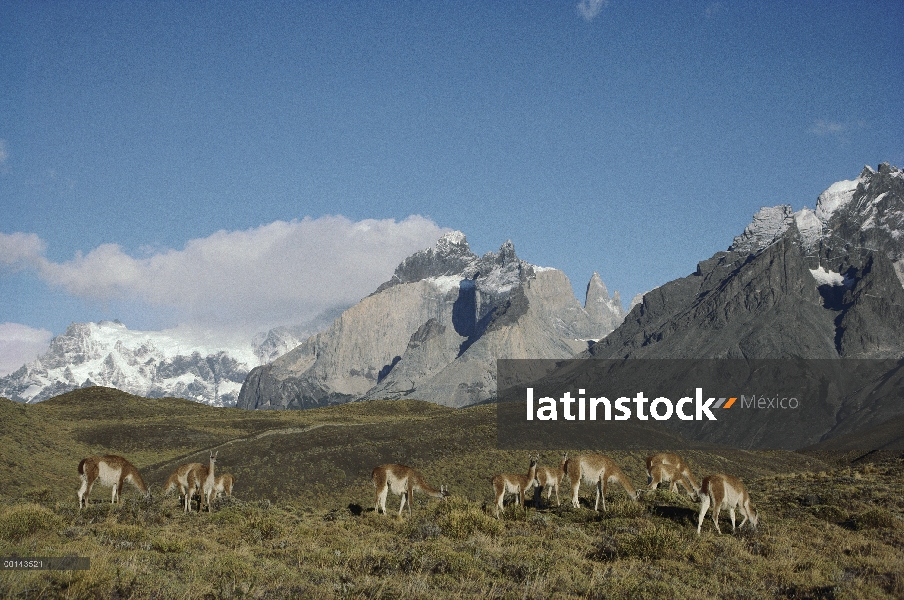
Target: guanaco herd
(716, 491)
(191, 479)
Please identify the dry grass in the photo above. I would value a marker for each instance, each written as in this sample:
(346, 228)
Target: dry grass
(825, 532)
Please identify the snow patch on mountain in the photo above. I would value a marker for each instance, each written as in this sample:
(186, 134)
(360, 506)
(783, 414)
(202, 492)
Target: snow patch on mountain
(824, 277)
(184, 363)
(838, 195)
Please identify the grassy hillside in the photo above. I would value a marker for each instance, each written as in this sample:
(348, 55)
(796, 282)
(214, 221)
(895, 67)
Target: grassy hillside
(301, 522)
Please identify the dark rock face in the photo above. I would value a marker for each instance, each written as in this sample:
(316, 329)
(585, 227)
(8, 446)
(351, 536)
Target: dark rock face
(434, 331)
(762, 298)
(823, 284)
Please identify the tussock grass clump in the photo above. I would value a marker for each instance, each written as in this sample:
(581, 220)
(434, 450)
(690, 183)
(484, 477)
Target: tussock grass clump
(877, 518)
(460, 519)
(832, 514)
(21, 520)
(170, 543)
(652, 543)
(627, 508)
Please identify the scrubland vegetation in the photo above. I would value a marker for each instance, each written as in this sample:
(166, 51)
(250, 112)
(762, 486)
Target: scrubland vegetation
(301, 522)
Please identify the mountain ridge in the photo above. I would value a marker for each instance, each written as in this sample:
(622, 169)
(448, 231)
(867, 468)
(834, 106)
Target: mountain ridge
(434, 330)
(153, 364)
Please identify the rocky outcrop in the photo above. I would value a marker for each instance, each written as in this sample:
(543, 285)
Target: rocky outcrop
(810, 284)
(434, 331)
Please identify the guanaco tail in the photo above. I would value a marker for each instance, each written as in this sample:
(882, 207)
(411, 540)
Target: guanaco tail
(404, 481)
(670, 467)
(515, 483)
(111, 471)
(551, 478)
(596, 469)
(725, 491)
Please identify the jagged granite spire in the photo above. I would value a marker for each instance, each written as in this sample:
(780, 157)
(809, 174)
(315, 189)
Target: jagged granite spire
(599, 306)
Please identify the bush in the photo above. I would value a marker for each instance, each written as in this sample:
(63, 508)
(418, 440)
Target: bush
(651, 543)
(259, 527)
(23, 520)
(461, 519)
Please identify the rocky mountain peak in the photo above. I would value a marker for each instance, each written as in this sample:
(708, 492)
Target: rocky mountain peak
(450, 255)
(812, 283)
(596, 290)
(435, 330)
(506, 253)
(453, 242)
(866, 213)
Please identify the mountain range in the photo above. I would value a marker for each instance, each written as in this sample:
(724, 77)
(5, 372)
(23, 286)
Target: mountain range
(434, 331)
(822, 283)
(153, 364)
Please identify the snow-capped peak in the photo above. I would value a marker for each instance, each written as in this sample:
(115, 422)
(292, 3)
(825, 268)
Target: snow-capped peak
(872, 200)
(837, 195)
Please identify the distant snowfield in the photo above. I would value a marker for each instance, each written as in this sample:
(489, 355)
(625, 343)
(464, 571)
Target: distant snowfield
(201, 366)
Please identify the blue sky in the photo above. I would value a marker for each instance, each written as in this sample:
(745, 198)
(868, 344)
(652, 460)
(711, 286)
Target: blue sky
(166, 163)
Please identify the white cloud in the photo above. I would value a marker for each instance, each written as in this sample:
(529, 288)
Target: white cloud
(589, 9)
(20, 344)
(20, 250)
(279, 273)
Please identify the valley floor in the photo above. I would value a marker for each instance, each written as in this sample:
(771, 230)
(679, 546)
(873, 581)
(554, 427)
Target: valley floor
(301, 522)
(835, 534)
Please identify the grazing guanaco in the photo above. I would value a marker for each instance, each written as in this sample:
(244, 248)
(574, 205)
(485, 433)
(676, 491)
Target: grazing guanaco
(596, 469)
(551, 478)
(515, 483)
(667, 466)
(404, 481)
(179, 479)
(725, 491)
(224, 485)
(202, 480)
(111, 471)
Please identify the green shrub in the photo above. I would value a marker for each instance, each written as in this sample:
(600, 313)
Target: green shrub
(23, 520)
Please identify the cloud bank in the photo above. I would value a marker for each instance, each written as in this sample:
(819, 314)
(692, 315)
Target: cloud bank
(20, 344)
(279, 273)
